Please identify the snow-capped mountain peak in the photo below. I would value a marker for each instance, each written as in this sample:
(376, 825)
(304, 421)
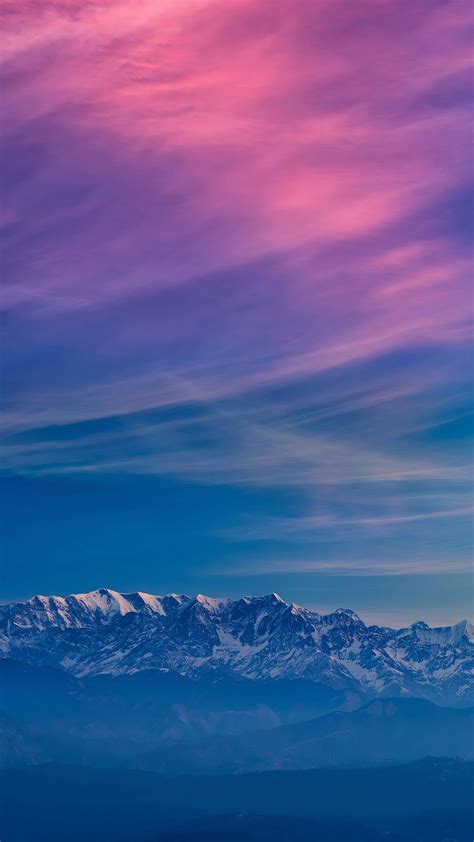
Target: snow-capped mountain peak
(212, 603)
(105, 601)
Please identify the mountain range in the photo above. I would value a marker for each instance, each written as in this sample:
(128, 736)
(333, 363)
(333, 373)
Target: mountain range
(253, 638)
(384, 730)
(47, 714)
(167, 723)
(174, 717)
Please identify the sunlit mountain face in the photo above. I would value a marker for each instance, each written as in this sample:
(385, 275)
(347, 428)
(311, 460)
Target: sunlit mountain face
(237, 311)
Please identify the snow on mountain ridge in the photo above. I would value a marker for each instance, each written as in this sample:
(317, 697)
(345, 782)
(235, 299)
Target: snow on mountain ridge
(73, 610)
(255, 637)
(108, 603)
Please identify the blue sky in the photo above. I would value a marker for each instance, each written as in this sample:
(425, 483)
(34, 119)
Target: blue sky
(237, 302)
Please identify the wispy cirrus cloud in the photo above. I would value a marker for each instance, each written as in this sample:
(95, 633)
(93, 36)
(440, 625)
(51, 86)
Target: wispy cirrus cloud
(236, 250)
(317, 526)
(350, 567)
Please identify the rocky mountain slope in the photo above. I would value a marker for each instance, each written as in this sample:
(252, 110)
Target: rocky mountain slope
(253, 637)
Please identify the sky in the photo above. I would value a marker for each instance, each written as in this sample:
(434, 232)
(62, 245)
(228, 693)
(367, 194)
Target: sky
(237, 301)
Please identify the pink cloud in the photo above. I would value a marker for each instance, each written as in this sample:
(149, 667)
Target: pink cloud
(282, 129)
(165, 143)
